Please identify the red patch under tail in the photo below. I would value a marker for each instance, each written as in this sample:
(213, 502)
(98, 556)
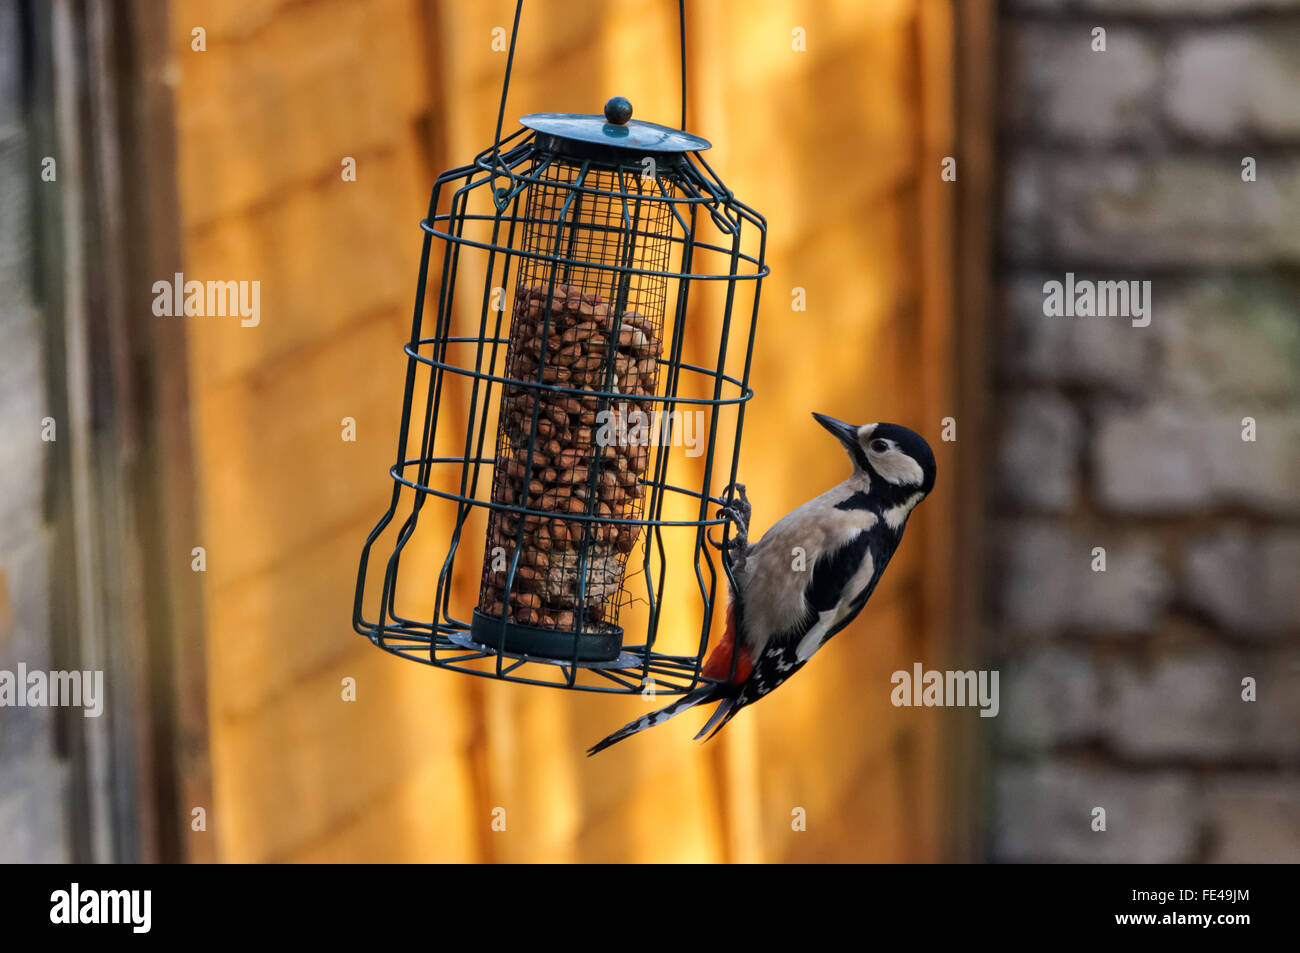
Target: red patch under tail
(719, 664)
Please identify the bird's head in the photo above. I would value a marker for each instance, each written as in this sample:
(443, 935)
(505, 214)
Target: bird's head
(898, 458)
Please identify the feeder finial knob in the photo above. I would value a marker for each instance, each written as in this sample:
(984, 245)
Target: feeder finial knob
(618, 110)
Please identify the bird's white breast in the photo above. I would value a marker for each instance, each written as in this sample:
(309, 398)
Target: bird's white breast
(781, 563)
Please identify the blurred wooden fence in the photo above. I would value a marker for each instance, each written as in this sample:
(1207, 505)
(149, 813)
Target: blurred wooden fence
(838, 143)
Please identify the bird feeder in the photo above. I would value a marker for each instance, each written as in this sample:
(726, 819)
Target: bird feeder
(536, 444)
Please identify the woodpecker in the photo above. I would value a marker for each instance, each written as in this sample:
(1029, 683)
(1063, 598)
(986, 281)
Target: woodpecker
(810, 574)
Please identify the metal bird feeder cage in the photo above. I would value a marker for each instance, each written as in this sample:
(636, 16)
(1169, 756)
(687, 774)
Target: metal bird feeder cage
(580, 242)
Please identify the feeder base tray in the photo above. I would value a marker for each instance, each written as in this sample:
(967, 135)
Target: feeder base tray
(537, 642)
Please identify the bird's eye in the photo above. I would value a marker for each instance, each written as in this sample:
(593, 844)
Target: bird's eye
(879, 446)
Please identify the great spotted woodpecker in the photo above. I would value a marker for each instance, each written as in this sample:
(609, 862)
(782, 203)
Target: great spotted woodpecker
(810, 574)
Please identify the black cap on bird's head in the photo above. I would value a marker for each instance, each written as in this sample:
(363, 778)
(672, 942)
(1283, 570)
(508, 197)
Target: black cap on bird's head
(899, 457)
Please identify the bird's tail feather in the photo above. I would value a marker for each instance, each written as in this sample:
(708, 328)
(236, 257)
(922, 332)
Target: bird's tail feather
(721, 714)
(689, 700)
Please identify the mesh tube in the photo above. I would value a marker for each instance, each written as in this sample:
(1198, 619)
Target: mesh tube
(574, 428)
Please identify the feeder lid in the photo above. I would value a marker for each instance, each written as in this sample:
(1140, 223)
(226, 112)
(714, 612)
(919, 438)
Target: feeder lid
(615, 129)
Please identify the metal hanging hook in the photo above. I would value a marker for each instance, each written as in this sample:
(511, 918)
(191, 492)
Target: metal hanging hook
(510, 62)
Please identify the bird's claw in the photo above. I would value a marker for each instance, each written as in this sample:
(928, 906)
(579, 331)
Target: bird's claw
(738, 505)
(737, 512)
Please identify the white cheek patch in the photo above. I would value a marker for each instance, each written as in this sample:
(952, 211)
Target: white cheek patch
(897, 468)
(895, 515)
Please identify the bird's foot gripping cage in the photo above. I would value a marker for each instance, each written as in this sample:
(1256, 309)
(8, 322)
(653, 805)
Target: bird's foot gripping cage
(612, 284)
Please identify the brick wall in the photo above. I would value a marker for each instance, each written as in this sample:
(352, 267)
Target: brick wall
(1123, 688)
(32, 776)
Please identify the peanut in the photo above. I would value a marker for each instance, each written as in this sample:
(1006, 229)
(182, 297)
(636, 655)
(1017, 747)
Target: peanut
(564, 336)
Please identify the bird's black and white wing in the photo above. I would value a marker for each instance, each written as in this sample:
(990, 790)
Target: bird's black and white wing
(841, 582)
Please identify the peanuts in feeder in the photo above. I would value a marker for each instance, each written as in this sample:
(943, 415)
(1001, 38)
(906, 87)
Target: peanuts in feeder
(575, 470)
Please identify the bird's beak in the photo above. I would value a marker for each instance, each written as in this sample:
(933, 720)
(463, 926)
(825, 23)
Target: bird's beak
(847, 433)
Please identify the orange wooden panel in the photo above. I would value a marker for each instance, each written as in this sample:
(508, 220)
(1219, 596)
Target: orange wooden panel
(283, 92)
(836, 143)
